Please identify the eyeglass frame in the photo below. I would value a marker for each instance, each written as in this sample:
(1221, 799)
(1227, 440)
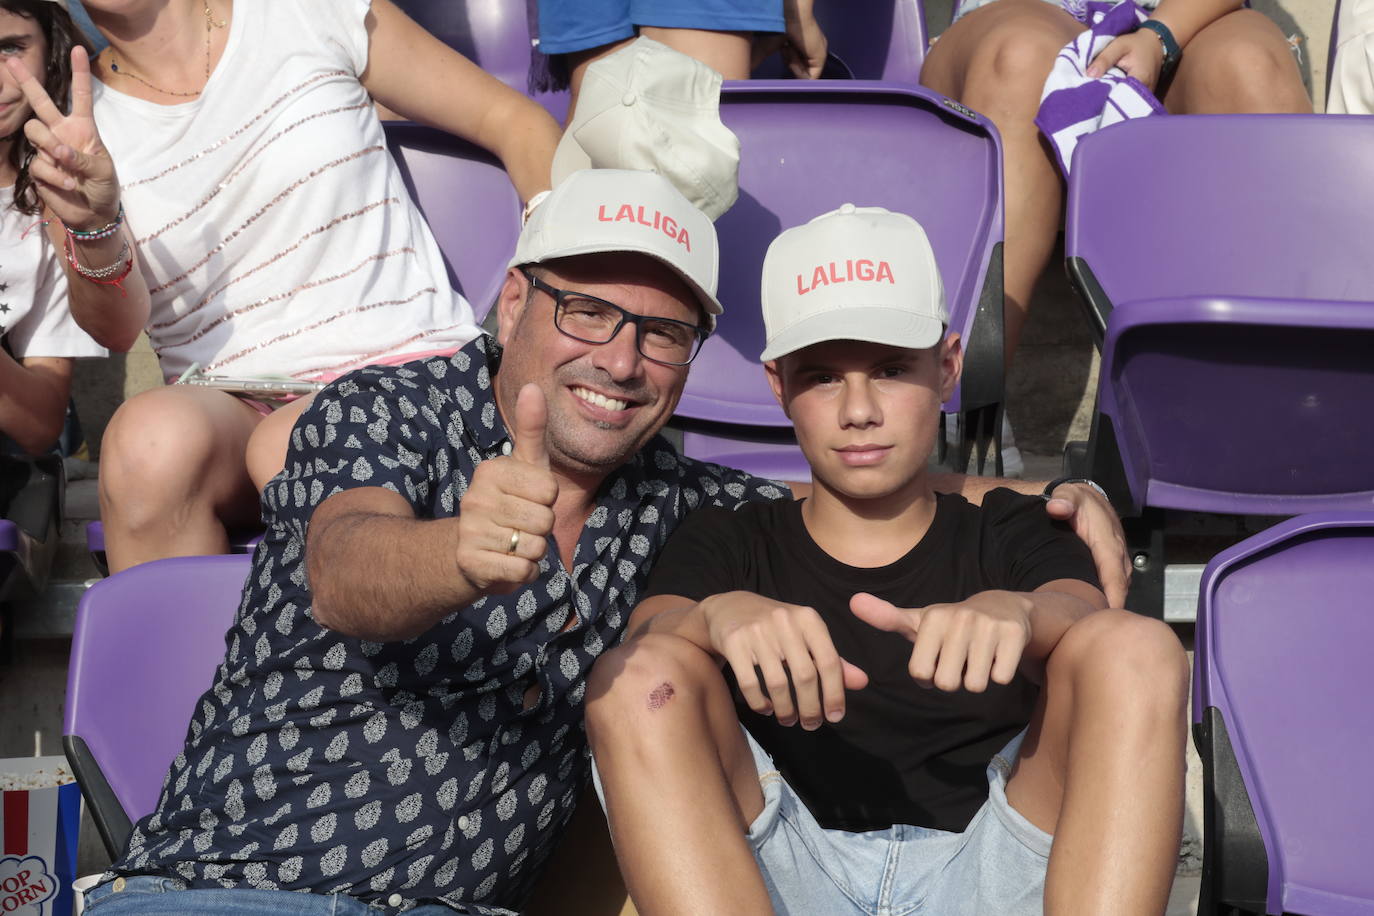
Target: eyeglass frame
(626, 316)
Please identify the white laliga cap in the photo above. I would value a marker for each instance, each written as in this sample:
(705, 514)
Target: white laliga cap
(617, 210)
(856, 273)
(652, 108)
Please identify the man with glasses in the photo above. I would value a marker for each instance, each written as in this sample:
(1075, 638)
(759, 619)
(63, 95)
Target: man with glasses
(398, 724)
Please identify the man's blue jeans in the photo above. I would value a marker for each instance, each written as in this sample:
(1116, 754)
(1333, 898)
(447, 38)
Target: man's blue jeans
(148, 896)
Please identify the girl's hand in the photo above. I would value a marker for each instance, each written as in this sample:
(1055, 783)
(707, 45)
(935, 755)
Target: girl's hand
(72, 171)
(1138, 53)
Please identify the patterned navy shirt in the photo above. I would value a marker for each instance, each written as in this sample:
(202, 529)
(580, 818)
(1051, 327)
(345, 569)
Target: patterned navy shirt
(408, 772)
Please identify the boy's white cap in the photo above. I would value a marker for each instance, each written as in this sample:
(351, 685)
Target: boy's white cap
(856, 273)
(652, 108)
(611, 210)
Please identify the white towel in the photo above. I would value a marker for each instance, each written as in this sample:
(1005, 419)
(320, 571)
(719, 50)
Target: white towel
(1074, 104)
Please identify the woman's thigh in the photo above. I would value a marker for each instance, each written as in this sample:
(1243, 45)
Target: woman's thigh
(1241, 63)
(1003, 45)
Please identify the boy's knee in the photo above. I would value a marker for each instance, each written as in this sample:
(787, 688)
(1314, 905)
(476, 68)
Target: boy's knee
(645, 675)
(1118, 650)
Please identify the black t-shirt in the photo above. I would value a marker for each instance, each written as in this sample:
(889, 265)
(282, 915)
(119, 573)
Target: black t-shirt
(902, 754)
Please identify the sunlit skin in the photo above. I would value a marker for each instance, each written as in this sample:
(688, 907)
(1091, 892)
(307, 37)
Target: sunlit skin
(586, 439)
(866, 416)
(20, 39)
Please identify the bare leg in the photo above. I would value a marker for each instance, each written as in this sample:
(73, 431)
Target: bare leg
(1102, 765)
(172, 474)
(1239, 64)
(728, 53)
(670, 751)
(266, 452)
(995, 60)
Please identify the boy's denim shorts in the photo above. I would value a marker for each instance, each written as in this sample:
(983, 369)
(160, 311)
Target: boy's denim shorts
(996, 866)
(576, 25)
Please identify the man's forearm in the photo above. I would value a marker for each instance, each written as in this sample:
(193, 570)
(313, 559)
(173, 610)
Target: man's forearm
(385, 577)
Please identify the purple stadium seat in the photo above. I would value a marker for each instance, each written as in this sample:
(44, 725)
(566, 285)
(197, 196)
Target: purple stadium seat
(1282, 719)
(808, 147)
(1239, 405)
(468, 201)
(1221, 260)
(146, 644)
(495, 34)
(872, 39)
(1274, 206)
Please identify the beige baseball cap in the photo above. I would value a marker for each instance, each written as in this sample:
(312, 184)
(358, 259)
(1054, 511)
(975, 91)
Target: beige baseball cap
(597, 211)
(856, 273)
(652, 108)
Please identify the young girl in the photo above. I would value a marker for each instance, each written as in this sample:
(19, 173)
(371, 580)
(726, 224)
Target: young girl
(40, 337)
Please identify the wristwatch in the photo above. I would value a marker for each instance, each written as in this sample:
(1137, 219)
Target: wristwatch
(1058, 482)
(1172, 52)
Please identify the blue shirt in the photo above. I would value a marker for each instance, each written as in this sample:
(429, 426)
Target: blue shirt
(409, 772)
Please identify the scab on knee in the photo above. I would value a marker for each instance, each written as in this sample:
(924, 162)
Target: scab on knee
(660, 696)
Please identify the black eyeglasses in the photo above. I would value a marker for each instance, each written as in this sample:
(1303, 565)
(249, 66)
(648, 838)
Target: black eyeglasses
(596, 321)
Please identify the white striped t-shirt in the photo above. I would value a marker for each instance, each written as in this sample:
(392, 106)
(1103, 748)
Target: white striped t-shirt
(273, 227)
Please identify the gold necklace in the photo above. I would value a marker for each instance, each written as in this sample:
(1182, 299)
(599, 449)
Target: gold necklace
(210, 24)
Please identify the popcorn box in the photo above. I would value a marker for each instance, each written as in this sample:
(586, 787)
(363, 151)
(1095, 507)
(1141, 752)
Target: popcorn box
(40, 814)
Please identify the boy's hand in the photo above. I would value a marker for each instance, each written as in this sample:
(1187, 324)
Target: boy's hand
(957, 645)
(790, 645)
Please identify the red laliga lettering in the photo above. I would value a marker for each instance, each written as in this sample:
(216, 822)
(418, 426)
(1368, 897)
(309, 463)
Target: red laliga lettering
(864, 269)
(885, 270)
(625, 212)
(683, 240)
(601, 214)
(818, 278)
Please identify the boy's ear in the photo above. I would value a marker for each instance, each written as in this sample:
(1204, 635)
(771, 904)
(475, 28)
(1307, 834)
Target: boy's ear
(510, 303)
(951, 364)
(770, 369)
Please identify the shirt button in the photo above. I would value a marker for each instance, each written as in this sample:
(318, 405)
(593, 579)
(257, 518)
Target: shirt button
(395, 900)
(118, 885)
(463, 822)
(506, 447)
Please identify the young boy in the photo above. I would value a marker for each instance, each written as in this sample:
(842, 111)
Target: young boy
(977, 734)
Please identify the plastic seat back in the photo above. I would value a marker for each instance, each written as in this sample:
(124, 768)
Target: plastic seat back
(873, 39)
(494, 34)
(1221, 259)
(1237, 405)
(468, 201)
(145, 647)
(1274, 206)
(1283, 720)
(809, 147)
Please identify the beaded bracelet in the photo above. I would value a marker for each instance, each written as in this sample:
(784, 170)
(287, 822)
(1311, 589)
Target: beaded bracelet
(113, 275)
(95, 235)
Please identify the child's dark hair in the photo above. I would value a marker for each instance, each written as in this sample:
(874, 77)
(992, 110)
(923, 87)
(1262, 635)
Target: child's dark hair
(61, 35)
